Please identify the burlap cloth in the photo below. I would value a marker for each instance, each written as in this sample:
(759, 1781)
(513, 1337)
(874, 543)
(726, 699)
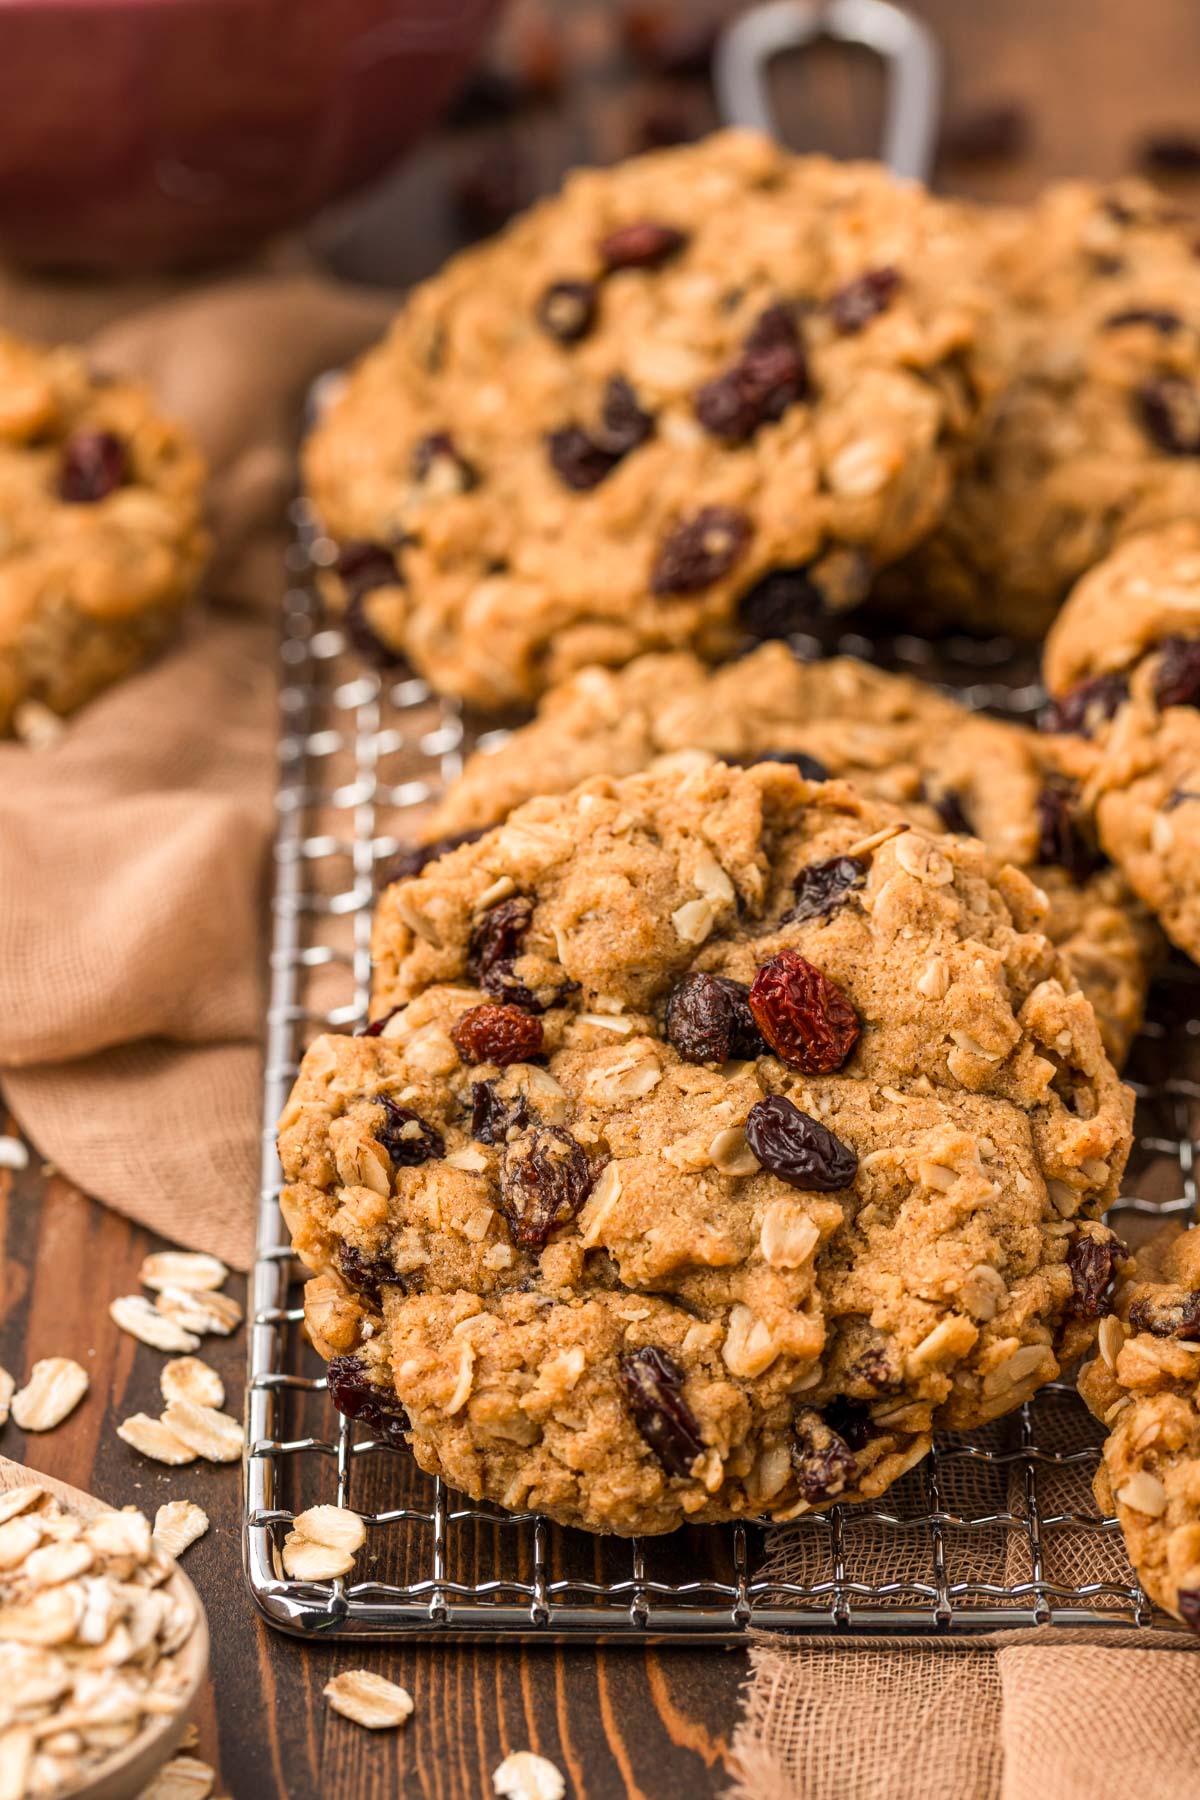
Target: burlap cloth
(132, 886)
(133, 852)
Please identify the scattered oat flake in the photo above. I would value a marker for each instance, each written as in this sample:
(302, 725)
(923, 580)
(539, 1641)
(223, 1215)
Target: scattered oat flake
(211, 1434)
(368, 1699)
(334, 1526)
(178, 1524)
(13, 1154)
(183, 1269)
(7, 1389)
(527, 1776)
(16, 1756)
(188, 1378)
(18, 1500)
(152, 1438)
(305, 1561)
(183, 1778)
(55, 1387)
(202, 1312)
(134, 1314)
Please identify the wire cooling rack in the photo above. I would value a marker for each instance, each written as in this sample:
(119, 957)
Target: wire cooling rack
(987, 1533)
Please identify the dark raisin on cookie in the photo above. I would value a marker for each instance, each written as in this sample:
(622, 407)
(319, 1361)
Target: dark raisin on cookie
(357, 1397)
(376, 1026)
(497, 1034)
(822, 887)
(1086, 706)
(583, 459)
(1092, 1262)
(822, 1460)
(497, 935)
(406, 1137)
(363, 566)
(367, 1275)
(545, 1177)
(567, 310)
(783, 601)
(770, 375)
(1169, 409)
(1177, 677)
(854, 306)
(1064, 837)
(700, 550)
(811, 767)
(1167, 1318)
(709, 1020)
(798, 1149)
(641, 245)
(493, 1117)
(414, 857)
(653, 1383)
(94, 465)
(804, 1016)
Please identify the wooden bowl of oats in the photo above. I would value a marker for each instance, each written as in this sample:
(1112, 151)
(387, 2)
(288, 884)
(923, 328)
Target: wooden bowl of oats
(103, 1644)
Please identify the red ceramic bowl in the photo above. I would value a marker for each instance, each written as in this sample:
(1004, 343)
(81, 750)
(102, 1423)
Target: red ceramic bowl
(150, 133)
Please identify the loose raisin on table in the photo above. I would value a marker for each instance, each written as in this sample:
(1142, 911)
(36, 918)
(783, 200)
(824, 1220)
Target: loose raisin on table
(822, 1460)
(1168, 1318)
(358, 1398)
(408, 1140)
(567, 310)
(811, 767)
(497, 1034)
(94, 465)
(709, 1020)
(493, 1117)
(1177, 678)
(798, 1149)
(1092, 1262)
(700, 550)
(824, 886)
(804, 1016)
(438, 462)
(1063, 837)
(653, 1383)
(782, 602)
(1086, 706)
(414, 857)
(1169, 409)
(642, 245)
(770, 375)
(545, 1177)
(366, 1274)
(855, 305)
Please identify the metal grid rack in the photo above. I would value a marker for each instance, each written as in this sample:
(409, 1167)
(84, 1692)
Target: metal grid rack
(978, 1538)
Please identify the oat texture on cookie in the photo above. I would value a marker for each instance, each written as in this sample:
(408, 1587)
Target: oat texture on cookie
(100, 522)
(723, 1133)
(1123, 666)
(602, 432)
(897, 739)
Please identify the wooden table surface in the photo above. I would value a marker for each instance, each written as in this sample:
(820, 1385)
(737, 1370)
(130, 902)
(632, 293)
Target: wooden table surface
(1089, 79)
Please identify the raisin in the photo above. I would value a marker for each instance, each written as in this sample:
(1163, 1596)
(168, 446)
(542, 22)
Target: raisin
(623, 424)
(492, 1117)
(366, 1274)
(1062, 837)
(1157, 317)
(1170, 413)
(811, 767)
(783, 601)
(855, 305)
(1092, 1262)
(642, 245)
(498, 934)
(821, 1458)
(94, 465)
(874, 1371)
(438, 463)
(1177, 678)
(947, 803)
(768, 377)
(653, 1383)
(358, 1398)
(576, 460)
(497, 1034)
(1086, 706)
(824, 886)
(709, 1020)
(852, 1423)
(582, 460)
(804, 1016)
(700, 550)
(363, 566)
(408, 1140)
(545, 1177)
(375, 1027)
(1187, 1602)
(1168, 1318)
(567, 310)
(798, 1149)
(414, 857)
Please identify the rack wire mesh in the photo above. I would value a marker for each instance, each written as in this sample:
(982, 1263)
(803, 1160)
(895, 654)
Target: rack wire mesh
(990, 1532)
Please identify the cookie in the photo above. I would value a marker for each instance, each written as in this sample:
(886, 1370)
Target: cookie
(598, 433)
(101, 541)
(1095, 349)
(717, 1134)
(897, 739)
(1145, 1384)
(1123, 664)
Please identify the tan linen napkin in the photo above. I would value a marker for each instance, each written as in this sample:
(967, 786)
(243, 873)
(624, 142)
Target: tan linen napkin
(133, 851)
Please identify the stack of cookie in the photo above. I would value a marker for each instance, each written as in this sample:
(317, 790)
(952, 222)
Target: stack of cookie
(740, 1102)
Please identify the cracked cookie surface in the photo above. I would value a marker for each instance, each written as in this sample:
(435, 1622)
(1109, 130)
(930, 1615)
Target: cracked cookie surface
(100, 520)
(899, 740)
(717, 1135)
(595, 434)
(1123, 665)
